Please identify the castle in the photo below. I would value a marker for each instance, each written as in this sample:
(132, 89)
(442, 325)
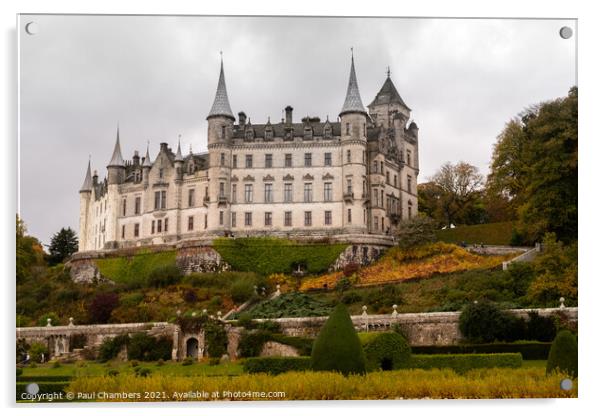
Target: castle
(355, 176)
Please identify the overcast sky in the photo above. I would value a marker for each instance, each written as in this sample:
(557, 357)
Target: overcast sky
(156, 76)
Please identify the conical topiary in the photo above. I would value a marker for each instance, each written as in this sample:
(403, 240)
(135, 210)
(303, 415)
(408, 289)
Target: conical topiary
(563, 354)
(338, 347)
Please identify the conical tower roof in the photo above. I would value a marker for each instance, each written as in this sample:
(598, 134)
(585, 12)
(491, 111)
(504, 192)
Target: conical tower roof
(353, 100)
(87, 186)
(147, 161)
(221, 104)
(179, 157)
(388, 95)
(117, 159)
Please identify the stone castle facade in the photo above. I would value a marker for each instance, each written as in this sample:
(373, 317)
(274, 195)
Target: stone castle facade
(355, 176)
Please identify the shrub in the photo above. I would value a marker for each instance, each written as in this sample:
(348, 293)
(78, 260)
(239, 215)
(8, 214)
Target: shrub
(387, 351)
(251, 343)
(465, 362)
(101, 307)
(351, 297)
(485, 322)
(160, 362)
(112, 373)
(540, 328)
(338, 347)
(563, 354)
(416, 231)
(111, 347)
(144, 347)
(43, 320)
(36, 351)
(245, 320)
(242, 290)
(164, 275)
(19, 371)
(187, 361)
(142, 371)
(276, 365)
(190, 296)
(213, 361)
(216, 339)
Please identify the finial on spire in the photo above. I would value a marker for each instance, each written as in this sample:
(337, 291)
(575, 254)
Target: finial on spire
(352, 52)
(179, 157)
(147, 162)
(388, 72)
(87, 185)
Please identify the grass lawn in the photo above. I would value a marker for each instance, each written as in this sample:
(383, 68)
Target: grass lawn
(91, 368)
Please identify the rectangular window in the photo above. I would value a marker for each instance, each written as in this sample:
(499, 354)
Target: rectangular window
(268, 160)
(191, 197)
(123, 207)
(221, 218)
(307, 192)
(153, 227)
(163, 199)
(234, 161)
(222, 159)
(136, 230)
(348, 156)
(307, 159)
(349, 215)
(376, 223)
(190, 223)
(376, 197)
(248, 161)
(157, 199)
(233, 193)
(159, 224)
(288, 219)
(327, 191)
(347, 128)
(222, 189)
(408, 157)
(248, 192)
(327, 217)
(307, 221)
(268, 219)
(327, 159)
(248, 219)
(123, 231)
(234, 220)
(206, 221)
(137, 205)
(409, 211)
(409, 184)
(349, 186)
(288, 160)
(288, 192)
(395, 181)
(165, 224)
(268, 194)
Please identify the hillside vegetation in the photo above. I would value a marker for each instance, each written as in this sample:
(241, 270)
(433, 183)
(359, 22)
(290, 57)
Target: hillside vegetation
(407, 264)
(498, 233)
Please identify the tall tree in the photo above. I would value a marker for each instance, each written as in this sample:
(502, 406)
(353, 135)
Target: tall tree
(62, 245)
(29, 252)
(458, 189)
(534, 165)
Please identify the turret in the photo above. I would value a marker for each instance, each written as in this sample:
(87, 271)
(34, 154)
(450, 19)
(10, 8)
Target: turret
(146, 167)
(388, 106)
(220, 117)
(116, 166)
(179, 162)
(85, 196)
(353, 146)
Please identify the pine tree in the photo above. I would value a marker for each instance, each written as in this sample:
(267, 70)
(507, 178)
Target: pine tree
(62, 245)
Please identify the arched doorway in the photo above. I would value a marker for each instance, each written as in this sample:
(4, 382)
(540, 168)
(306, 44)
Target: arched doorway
(192, 348)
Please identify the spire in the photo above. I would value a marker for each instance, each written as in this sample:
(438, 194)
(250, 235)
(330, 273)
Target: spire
(179, 157)
(353, 100)
(221, 104)
(87, 186)
(116, 159)
(147, 162)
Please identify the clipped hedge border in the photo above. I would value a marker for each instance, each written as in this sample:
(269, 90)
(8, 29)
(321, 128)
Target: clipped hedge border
(462, 363)
(38, 379)
(276, 365)
(529, 350)
(45, 388)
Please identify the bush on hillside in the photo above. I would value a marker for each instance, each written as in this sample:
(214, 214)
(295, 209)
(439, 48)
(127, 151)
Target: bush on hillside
(144, 347)
(111, 347)
(416, 231)
(242, 290)
(387, 351)
(499, 233)
(485, 322)
(276, 365)
(101, 307)
(164, 275)
(36, 351)
(54, 319)
(338, 347)
(540, 328)
(563, 354)
(216, 339)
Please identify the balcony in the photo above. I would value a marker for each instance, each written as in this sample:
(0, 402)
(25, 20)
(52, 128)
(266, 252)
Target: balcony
(222, 200)
(348, 196)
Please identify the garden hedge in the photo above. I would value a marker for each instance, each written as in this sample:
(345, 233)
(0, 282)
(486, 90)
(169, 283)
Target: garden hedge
(529, 350)
(276, 365)
(387, 351)
(563, 354)
(268, 255)
(462, 363)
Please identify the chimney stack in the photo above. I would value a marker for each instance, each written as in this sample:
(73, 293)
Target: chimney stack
(242, 118)
(289, 114)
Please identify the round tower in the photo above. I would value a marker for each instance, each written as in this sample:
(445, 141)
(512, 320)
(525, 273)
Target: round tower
(85, 198)
(353, 146)
(220, 122)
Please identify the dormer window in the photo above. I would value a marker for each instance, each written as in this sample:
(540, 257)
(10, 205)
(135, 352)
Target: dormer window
(250, 134)
(190, 168)
(307, 133)
(328, 132)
